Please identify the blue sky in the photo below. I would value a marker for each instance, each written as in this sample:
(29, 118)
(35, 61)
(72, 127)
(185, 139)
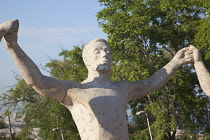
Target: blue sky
(47, 27)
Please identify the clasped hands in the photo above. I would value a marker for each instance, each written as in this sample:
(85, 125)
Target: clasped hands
(187, 55)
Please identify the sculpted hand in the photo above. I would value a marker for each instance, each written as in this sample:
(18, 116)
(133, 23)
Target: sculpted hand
(184, 56)
(9, 30)
(196, 54)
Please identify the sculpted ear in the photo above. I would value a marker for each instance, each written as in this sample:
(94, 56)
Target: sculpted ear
(86, 61)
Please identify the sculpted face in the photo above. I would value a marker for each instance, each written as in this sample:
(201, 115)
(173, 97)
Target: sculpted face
(98, 57)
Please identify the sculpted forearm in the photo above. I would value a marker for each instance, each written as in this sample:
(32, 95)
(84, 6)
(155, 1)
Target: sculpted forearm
(161, 77)
(26, 66)
(202, 72)
(48, 87)
(203, 76)
(157, 80)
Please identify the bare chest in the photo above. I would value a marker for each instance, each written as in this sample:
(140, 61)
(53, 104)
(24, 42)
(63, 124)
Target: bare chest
(95, 96)
(101, 111)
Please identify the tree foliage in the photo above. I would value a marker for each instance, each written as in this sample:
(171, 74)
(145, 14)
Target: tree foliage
(144, 36)
(2, 123)
(70, 67)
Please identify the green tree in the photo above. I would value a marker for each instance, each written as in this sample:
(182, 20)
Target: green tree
(70, 67)
(2, 124)
(144, 36)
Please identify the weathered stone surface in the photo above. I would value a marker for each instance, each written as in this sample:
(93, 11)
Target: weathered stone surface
(98, 105)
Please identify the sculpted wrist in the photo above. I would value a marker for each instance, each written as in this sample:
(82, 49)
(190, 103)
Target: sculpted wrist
(198, 63)
(176, 62)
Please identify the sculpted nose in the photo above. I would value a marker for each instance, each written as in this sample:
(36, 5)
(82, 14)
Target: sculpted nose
(104, 54)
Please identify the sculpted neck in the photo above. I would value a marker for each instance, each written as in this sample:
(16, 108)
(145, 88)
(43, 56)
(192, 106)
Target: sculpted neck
(98, 78)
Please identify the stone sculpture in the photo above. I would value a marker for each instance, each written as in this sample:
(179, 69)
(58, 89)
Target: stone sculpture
(98, 105)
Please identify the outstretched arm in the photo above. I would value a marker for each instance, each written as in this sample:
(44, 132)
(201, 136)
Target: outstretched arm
(202, 72)
(159, 78)
(46, 86)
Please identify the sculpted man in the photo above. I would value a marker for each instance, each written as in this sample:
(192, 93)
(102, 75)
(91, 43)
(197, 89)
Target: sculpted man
(98, 105)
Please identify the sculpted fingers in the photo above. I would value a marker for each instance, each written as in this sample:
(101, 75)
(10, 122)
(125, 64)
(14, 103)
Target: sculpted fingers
(10, 26)
(184, 49)
(184, 56)
(181, 53)
(189, 51)
(189, 58)
(194, 49)
(196, 54)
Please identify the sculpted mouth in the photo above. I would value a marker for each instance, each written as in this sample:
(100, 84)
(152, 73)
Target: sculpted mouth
(105, 61)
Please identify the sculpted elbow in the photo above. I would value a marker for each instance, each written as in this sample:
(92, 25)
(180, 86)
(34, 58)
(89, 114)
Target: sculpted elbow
(33, 80)
(33, 83)
(30, 83)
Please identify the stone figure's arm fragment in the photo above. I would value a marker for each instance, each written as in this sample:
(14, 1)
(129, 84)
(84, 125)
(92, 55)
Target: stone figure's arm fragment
(48, 87)
(202, 72)
(158, 79)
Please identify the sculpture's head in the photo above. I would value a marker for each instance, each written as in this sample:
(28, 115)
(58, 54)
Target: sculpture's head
(97, 55)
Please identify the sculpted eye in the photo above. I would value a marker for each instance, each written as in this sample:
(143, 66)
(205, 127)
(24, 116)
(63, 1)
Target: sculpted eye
(97, 51)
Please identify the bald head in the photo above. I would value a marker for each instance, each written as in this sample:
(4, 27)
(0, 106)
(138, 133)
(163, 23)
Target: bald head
(86, 53)
(97, 53)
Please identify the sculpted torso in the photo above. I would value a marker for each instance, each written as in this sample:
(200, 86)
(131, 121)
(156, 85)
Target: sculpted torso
(99, 112)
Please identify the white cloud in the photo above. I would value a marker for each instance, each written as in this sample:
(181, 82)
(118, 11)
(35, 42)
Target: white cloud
(42, 37)
(43, 32)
